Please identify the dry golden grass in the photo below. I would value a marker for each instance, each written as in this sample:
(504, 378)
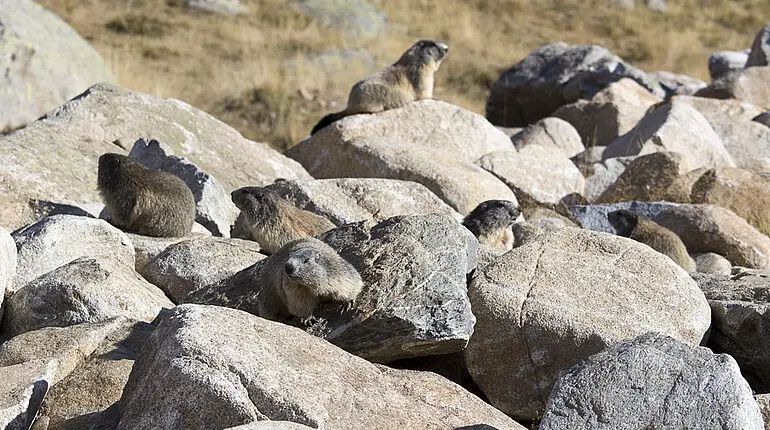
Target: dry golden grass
(238, 69)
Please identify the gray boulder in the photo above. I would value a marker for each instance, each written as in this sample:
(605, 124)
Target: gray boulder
(44, 63)
(86, 290)
(722, 63)
(220, 368)
(7, 264)
(675, 84)
(547, 305)
(356, 18)
(711, 263)
(653, 381)
(221, 7)
(550, 132)
(23, 389)
(57, 240)
(554, 75)
(763, 400)
(148, 247)
(270, 425)
(760, 49)
(603, 174)
(214, 208)
(594, 217)
(647, 178)
(751, 85)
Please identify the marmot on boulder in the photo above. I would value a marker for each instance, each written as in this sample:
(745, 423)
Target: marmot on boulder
(273, 221)
(408, 79)
(491, 223)
(145, 201)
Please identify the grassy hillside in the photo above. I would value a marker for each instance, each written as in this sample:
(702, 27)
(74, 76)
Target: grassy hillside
(249, 70)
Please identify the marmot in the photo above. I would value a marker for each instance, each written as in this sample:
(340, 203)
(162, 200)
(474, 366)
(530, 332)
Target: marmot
(301, 275)
(142, 200)
(491, 223)
(634, 226)
(408, 79)
(273, 221)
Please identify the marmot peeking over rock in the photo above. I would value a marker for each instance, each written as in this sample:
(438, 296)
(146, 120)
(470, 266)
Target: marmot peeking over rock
(300, 276)
(273, 221)
(408, 79)
(491, 223)
(144, 201)
(634, 226)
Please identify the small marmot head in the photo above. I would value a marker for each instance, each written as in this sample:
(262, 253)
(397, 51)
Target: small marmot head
(491, 215)
(425, 52)
(256, 203)
(623, 221)
(306, 266)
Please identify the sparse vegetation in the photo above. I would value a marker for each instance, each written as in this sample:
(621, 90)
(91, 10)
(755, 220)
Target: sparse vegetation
(241, 69)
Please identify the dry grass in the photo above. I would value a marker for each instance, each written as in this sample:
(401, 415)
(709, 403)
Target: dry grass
(240, 69)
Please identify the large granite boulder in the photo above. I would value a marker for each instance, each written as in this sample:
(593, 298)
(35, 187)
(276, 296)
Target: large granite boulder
(551, 133)
(750, 85)
(743, 192)
(760, 49)
(44, 63)
(218, 368)
(23, 389)
(555, 75)
(7, 264)
(545, 306)
(653, 381)
(648, 178)
(594, 217)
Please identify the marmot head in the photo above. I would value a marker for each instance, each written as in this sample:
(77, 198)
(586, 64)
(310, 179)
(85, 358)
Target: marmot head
(624, 221)
(425, 52)
(306, 266)
(111, 166)
(256, 203)
(491, 215)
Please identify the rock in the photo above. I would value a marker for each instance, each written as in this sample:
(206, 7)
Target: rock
(347, 200)
(221, 7)
(711, 263)
(709, 228)
(658, 5)
(7, 264)
(59, 239)
(105, 119)
(23, 389)
(722, 63)
(193, 264)
(555, 75)
(220, 368)
(653, 381)
(675, 127)
(550, 132)
(740, 309)
(674, 84)
(749, 85)
(760, 48)
(86, 290)
(748, 143)
(545, 306)
(612, 112)
(536, 174)
(214, 209)
(594, 217)
(271, 425)
(763, 118)
(357, 19)
(44, 62)
(429, 142)
(603, 175)
(148, 247)
(763, 400)
(743, 192)
(647, 178)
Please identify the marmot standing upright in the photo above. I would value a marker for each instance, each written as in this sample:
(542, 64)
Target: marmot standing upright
(300, 276)
(273, 221)
(142, 200)
(491, 223)
(408, 79)
(634, 226)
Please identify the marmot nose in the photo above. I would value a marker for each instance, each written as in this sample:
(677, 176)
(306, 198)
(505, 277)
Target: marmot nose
(290, 268)
(443, 46)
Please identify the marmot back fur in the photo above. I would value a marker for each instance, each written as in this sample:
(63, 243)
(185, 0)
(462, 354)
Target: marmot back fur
(491, 223)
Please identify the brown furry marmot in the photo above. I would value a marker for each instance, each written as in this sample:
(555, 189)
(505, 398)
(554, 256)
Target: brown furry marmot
(491, 223)
(408, 79)
(300, 276)
(144, 201)
(634, 226)
(273, 221)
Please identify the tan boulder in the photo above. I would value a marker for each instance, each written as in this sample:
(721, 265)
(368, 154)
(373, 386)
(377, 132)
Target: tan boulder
(647, 178)
(743, 192)
(550, 132)
(711, 263)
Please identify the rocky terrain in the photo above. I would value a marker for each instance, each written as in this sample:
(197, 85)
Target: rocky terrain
(576, 327)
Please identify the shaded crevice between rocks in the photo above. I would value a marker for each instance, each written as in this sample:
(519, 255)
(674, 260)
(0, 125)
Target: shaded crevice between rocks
(530, 288)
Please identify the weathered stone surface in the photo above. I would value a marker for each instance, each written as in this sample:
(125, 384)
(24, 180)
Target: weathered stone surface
(675, 84)
(222, 7)
(647, 178)
(193, 264)
(44, 62)
(545, 306)
(743, 192)
(347, 200)
(612, 112)
(760, 49)
(22, 391)
(554, 75)
(57, 240)
(7, 264)
(214, 208)
(747, 142)
(709, 228)
(603, 174)
(148, 247)
(220, 367)
(105, 119)
(711, 263)
(749, 85)
(676, 127)
(535, 173)
(271, 425)
(723, 62)
(86, 290)
(763, 400)
(358, 18)
(550, 132)
(594, 217)
(653, 381)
